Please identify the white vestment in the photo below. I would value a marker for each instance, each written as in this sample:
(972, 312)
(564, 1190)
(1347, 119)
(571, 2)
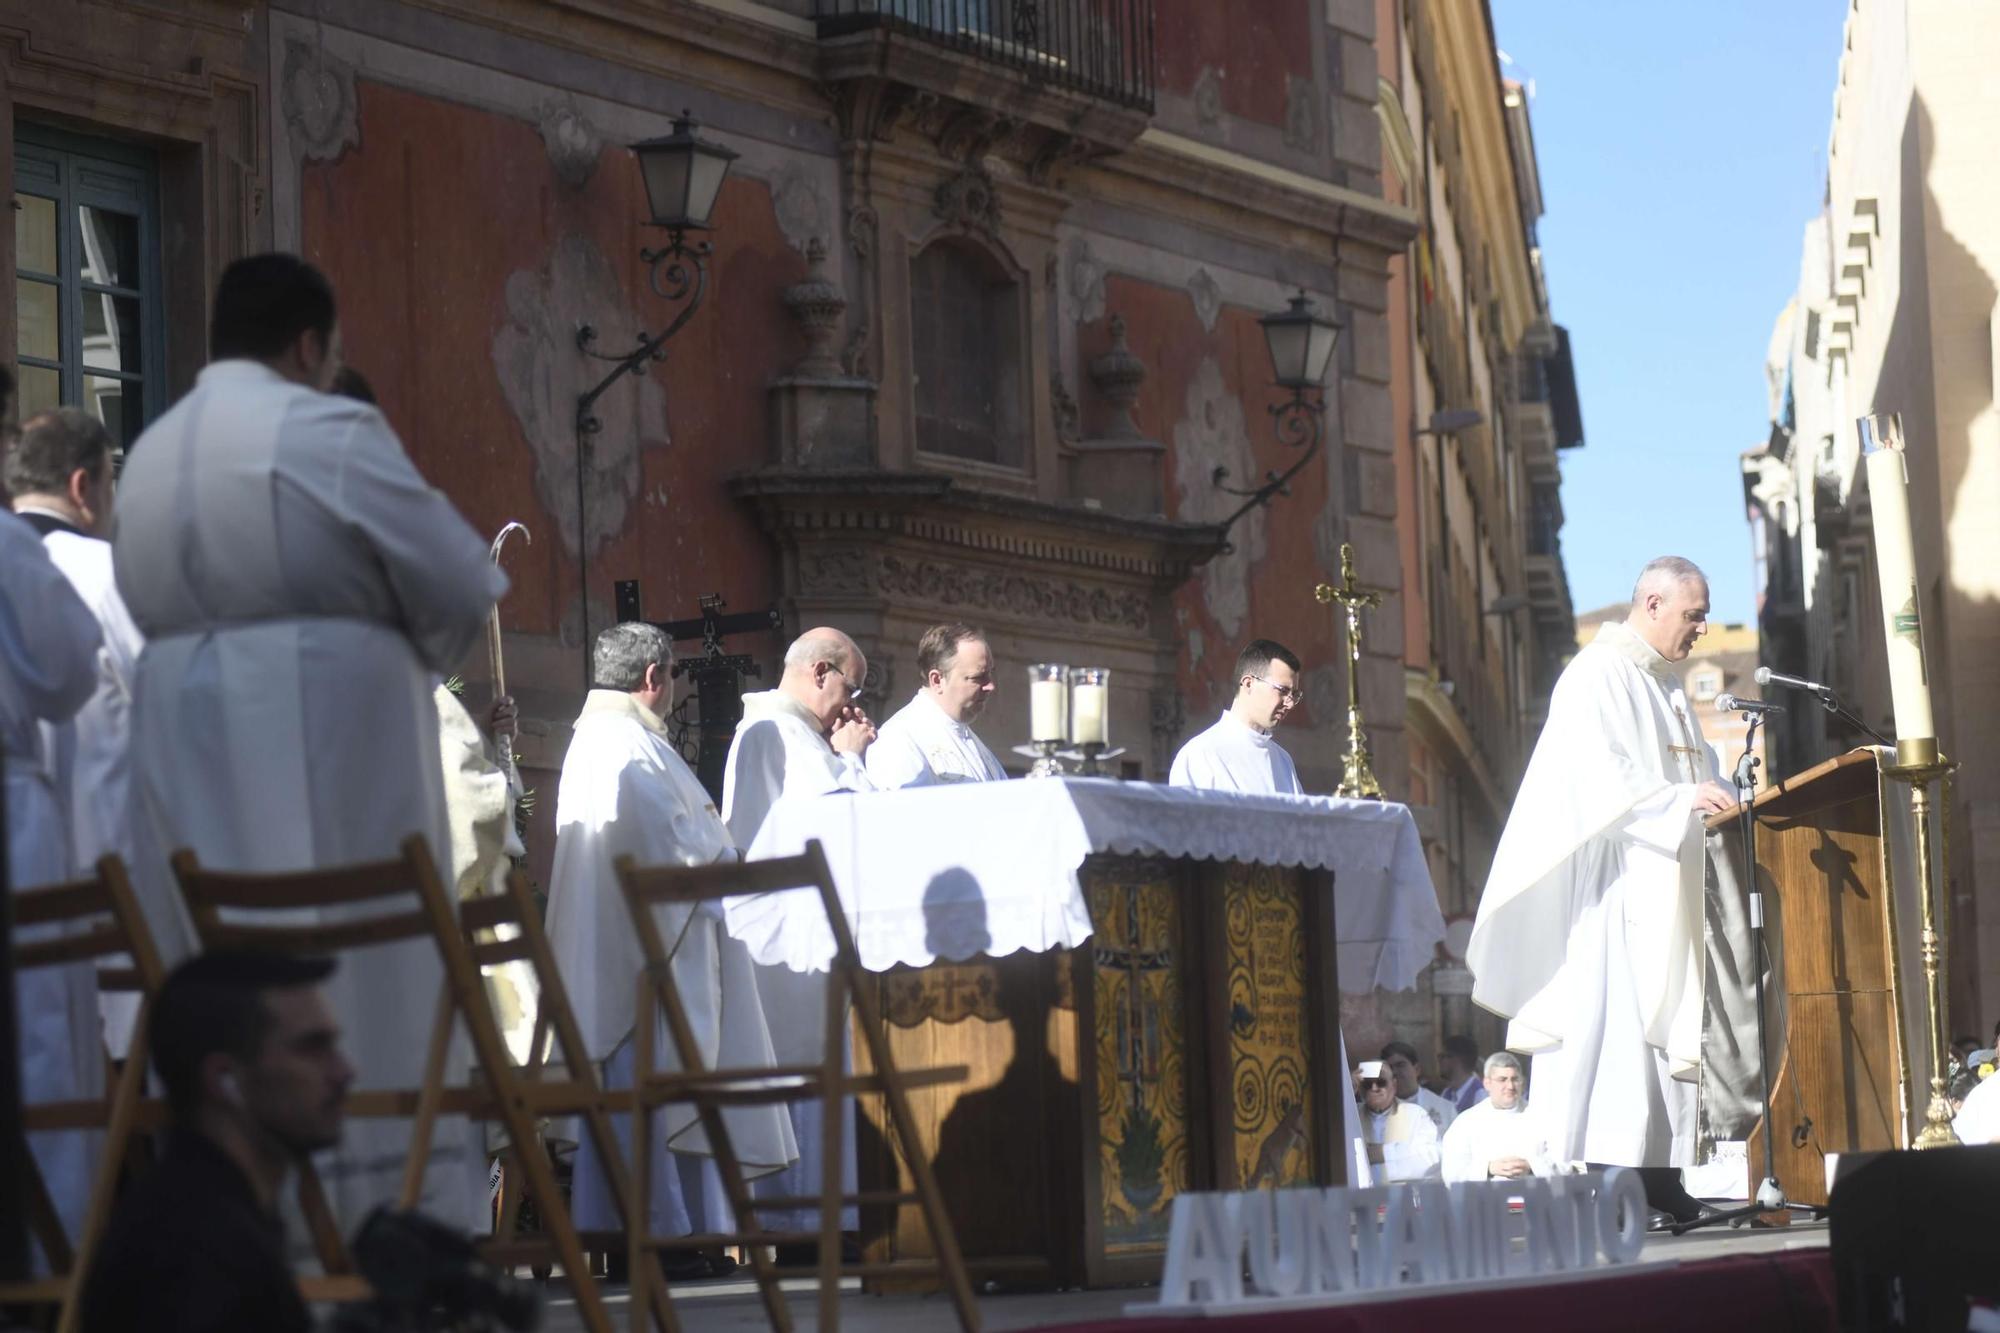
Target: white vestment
(625, 791)
(1441, 1110)
(1409, 1140)
(479, 799)
(779, 750)
(1589, 933)
(1979, 1117)
(1234, 756)
(1485, 1133)
(299, 585)
(48, 670)
(90, 759)
(922, 745)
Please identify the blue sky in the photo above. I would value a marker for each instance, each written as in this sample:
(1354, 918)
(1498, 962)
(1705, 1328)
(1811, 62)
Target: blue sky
(1682, 150)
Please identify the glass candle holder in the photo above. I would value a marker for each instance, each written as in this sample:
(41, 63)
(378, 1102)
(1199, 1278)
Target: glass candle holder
(1048, 702)
(1090, 706)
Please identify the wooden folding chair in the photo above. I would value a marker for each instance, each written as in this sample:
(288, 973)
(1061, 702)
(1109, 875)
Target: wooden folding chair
(86, 922)
(710, 1090)
(382, 903)
(572, 1083)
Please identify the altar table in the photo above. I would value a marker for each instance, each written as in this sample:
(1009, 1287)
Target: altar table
(1143, 979)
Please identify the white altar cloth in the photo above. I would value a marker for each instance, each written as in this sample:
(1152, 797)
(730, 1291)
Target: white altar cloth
(952, 871)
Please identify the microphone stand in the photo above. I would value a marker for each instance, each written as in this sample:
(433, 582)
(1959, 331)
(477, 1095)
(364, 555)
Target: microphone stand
(1831, 702)
(1770, 1197)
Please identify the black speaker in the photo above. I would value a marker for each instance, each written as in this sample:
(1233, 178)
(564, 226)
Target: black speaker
(1916, 1238)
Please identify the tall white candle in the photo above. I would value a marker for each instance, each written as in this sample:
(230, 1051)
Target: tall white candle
(1087, 727)
(1048, 710)
(1896, 567)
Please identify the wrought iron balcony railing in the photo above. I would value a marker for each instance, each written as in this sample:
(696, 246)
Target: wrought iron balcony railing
(1099, 48)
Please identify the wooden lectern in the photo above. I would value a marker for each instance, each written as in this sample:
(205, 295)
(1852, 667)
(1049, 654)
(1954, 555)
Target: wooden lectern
(1841, 1076)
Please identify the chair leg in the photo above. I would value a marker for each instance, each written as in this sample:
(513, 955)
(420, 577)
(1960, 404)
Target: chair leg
(428, 1101)
(833, 1118)
(117, 1136)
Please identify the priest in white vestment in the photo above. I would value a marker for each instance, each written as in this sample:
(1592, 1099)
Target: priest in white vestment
(805, 738)
(1402, 1141)
(626, 791)
(1498, 1139)
(49, 644)
(1238, 753)
(1400, 1058)
(930, 739)
(1978, 1120)
(62, 478)
(301, 587)
(1589, 933)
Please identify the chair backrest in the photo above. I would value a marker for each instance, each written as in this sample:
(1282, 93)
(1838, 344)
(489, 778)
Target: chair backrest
(88, 920)
(659, 885)
(225, 904)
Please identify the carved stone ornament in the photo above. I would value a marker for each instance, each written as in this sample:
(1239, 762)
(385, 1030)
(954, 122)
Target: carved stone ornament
(1169, 720)
(572, 142)
(1208, 96)
(1302, 114)
(1002, 592)
(1118, 375)
(816, 306)
(316, 97)
(1207, 298)
(968, 200)
(1069, 419)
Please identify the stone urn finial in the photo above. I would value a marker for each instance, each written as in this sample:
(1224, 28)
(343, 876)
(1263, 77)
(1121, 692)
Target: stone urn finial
(817, 305)
(1118, 375)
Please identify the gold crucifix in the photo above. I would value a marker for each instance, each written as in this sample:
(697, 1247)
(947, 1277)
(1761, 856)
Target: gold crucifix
(1357, 776)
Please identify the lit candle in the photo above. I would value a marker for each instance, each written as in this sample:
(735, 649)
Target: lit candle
(1896, 566)
(1048, 702)
(1090, 691)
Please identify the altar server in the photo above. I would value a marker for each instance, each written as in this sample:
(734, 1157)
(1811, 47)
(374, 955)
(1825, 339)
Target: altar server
(1498, 1139)
(61, 475)
(805, 738)
(626, 791)
(48, 670)
(1238, 752)
(1589, 933)
(930, 739)
(1400, 1058)
(300, 587)
(1402, 1141)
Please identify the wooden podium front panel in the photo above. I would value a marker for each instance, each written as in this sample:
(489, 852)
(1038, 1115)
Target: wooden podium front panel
(1836, 1086)
(1271, 1105)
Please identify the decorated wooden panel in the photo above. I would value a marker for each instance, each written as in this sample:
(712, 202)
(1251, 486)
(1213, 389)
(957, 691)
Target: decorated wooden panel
(1268, 1027)
(1142, 1067)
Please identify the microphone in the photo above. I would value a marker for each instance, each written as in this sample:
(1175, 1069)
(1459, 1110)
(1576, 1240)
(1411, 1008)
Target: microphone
(1729, 703)
(1765, 676)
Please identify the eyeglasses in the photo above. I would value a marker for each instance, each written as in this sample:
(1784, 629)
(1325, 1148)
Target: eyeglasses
(1287, 694)
(846, 682)
(1368, 1083)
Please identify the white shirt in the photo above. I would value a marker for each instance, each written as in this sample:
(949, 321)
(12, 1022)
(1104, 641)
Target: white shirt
(1234, 756)
(1485, 1133)
(1409, 1140)
(1979, 1118)
(922, 745)
(779, 750)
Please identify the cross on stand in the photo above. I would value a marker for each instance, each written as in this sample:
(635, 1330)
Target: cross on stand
(717, 676)
(1136, 1051)
(1357, 775)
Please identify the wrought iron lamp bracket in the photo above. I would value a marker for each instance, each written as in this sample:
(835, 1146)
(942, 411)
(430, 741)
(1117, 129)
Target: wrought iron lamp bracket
(1301, 422)
(678, 272)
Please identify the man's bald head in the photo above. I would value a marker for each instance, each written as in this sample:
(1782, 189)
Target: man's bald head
(823, 672)
(1670, 606)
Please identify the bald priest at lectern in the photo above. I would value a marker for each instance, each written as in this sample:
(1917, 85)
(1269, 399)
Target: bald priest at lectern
(1589, 933)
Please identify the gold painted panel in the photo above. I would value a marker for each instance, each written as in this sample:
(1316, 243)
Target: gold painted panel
(1269, 1031)
(1142, 1075)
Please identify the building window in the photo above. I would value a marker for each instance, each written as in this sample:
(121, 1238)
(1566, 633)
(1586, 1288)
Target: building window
(965, 323)
(87, 279)
(1705, 685)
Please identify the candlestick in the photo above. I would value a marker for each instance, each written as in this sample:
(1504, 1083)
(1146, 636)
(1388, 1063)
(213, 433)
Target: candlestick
(1357, 772)
(1048, 702)
(1089, 702)
(1896, 568)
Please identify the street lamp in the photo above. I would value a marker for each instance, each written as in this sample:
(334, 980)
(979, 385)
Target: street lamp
(1300, 341)
(683, 175)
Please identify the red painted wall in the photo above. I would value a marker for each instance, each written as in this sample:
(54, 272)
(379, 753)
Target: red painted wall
(1255, 45)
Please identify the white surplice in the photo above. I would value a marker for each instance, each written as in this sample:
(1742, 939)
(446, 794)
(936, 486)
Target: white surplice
(1232, 755)
(1409, 1139)
(90, 759)
(299, 586)
(49, 643)
(1485, 1133)
(479, 799)
(780, 750)
(1979, 1118)
(1589, 933)
(1441, 1110)
(626, 791)
(922, 745)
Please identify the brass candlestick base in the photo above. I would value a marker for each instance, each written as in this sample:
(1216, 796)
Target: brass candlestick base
(1357, 776)
(1920, 765)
